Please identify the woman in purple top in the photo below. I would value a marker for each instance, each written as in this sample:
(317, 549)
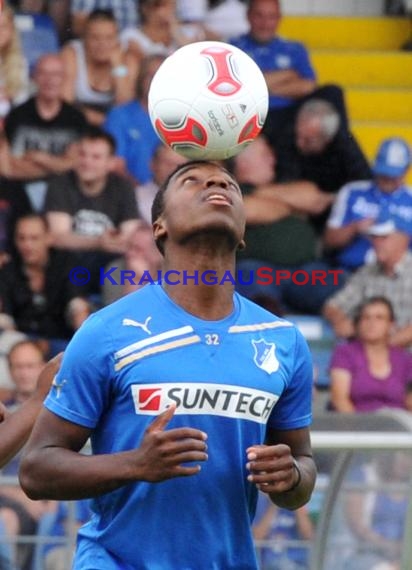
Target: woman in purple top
(368, 374)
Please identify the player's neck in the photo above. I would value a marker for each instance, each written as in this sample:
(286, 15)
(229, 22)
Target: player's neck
(204, 287)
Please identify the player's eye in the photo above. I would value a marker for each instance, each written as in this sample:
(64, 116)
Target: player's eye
(234, 186)
(190, 178)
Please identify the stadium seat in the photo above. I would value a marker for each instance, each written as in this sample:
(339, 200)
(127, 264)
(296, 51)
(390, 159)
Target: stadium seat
(44, 530)
(321, 341)
(38, 35)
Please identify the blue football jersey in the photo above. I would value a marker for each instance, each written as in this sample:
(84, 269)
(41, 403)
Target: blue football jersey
(363, 199)
(229, 378)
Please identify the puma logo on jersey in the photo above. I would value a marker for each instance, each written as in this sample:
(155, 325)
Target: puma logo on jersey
(144, 326)
(58, 387)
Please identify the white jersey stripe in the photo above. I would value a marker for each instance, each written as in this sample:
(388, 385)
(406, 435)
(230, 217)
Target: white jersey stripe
(152, 340)
(156, 349)
(259, 326)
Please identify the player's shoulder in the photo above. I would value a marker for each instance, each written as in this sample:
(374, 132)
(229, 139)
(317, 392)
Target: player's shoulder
(253, 317)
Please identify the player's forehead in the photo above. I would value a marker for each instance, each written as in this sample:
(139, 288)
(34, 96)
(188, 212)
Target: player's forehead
(203, 169)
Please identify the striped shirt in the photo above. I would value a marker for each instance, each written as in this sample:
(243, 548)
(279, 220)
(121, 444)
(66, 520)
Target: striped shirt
(370, 281)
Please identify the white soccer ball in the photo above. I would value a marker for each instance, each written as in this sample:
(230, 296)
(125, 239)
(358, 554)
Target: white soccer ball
(208, 100)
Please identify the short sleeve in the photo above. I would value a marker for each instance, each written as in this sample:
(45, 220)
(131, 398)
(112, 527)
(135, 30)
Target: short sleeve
(302, 62)
(342, 357)
(81, 390)
(294, 407)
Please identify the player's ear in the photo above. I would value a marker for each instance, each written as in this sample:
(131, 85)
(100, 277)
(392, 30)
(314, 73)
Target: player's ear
(159, 229)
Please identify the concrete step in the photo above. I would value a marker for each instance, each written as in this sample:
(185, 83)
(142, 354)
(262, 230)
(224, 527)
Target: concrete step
(359, 33)
(375, 104)
(366, 69)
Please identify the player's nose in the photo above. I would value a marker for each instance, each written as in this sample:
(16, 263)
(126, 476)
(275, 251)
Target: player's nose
(217, 180)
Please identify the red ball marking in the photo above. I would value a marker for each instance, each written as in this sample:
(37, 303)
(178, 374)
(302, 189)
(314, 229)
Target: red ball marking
(224, 81)
(250, 131)
(191, 132)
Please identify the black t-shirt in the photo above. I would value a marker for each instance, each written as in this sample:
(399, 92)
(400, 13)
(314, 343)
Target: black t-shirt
(13, 204)
(27, 130)
(41, 313)
(92, 215)
(342, 162)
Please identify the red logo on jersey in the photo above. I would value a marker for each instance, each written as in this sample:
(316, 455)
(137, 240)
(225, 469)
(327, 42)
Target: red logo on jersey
(150, 399)
(224, 81)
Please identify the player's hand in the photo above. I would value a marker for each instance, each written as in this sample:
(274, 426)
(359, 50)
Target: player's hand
(271, 468)
(164, 454)
(47, 375)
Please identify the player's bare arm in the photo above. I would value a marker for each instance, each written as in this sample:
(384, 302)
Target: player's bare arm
(15, 427)
(160, 456)
(284, 468)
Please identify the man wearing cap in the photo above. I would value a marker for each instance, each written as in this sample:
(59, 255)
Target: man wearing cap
(360, 203)
(389, 276)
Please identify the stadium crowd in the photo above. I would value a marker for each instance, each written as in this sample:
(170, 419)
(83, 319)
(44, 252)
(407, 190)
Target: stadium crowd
(80, 164)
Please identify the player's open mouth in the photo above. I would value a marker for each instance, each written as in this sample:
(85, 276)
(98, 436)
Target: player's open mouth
(219, 199)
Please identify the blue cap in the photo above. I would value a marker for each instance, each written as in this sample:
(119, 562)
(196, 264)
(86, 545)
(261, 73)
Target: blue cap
(393, 158)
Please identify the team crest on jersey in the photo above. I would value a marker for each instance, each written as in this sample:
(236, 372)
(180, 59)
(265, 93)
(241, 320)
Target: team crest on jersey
(265, 357)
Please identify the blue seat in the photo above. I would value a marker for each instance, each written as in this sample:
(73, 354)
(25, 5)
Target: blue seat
(38, 36)
(321, 340)
(44, 529)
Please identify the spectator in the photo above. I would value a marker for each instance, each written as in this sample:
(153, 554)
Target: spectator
(90, 210)
(14, 81)
(140, 263)
(192, 21)
(41, 133)
(35, 290)
(99, 73)
(278, 530)
(160, 31)
(285, 64)
(367, 373)
(68, 518)
(319, 149)
(227, 18)
(359, 204)
(26, 360)
(20, 514)
(125, 13)
(13, 204)
(389, 276)
(378, 518)
(278, 237)
(131, 127)
(164, 161)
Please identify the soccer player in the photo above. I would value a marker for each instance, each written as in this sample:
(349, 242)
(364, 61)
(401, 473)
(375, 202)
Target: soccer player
(194, 398)
(15, 427)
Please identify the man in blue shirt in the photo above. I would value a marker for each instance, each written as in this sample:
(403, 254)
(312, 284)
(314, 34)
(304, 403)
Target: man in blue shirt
(285, 64)
(359, 204)
(130, 126)
(193, 397)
